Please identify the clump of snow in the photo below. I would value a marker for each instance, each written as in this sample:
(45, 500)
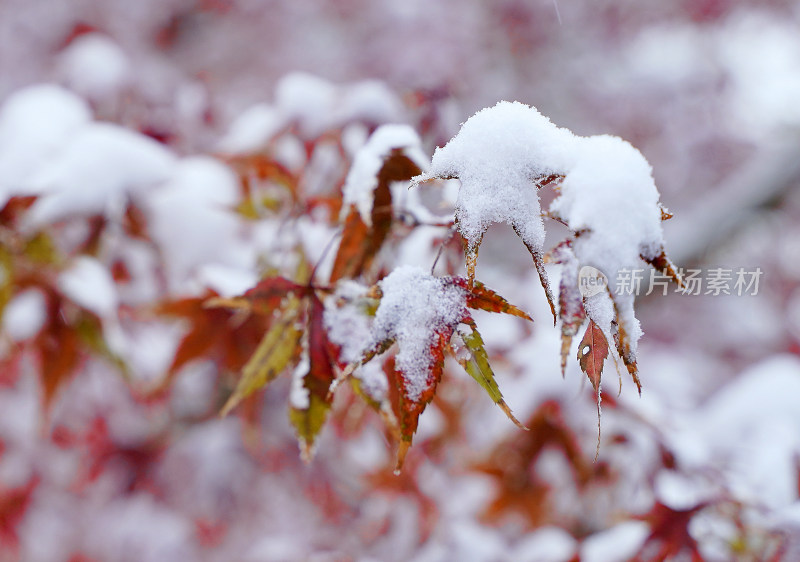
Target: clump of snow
(415, 307)
(95, 66)
(307, 100)
(102, 165)
(317, 105)
(610, 192)
(420, 247)
(371, 101)
(20, 423)
(497, 155)
(24, 315)
(681, 492)
(349, 327)
(35, 122)
(359, 187)
(251, 130)
(617, 544)
(313, 105)
(148, 348)
(192, 221)
(88, 283)
(299, 397)
(607, 194)
(225, 280)
(373, 380)
(194, 391)
(690, 54)
(546, 544)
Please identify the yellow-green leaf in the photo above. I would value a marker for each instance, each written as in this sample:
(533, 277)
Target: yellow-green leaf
(477, 366)
(308, 423)
(277, 349)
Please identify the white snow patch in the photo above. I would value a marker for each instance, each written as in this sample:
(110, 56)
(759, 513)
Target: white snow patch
(607, 190)
(207, 470)
(414, 307)
(194, 390)
(96, 172)
(308, 101)
(299, 397)
(35, 122)
(252, 130)
(359, 187)
(347, 323)
(420, 247)
(496, 155)
(349, 327)
(143, 529)
(546, 544)
(764, 71)
(88, 283)
(192, 222)
(24, 315)
(689, 56)
(611, 192)
(617, 544)
(313, 105)
(95, 66)
(148, 348)
(371, 101)
(679, 491)
(373, 380)
(225, 280)
(20, 418)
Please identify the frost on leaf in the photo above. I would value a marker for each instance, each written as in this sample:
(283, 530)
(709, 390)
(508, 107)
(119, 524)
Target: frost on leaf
(391, 154)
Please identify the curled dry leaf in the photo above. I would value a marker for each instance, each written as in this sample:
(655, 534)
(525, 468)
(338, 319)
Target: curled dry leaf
(592, 353)
(361, 241)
